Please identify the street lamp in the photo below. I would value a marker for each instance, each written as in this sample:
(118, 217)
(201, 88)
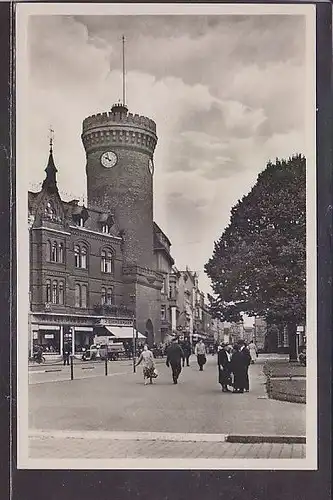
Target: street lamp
(134, 336)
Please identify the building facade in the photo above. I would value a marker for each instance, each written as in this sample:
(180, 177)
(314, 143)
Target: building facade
(104, 265)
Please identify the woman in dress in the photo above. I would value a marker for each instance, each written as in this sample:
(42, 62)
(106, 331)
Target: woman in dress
(147, 359)
(253, 351)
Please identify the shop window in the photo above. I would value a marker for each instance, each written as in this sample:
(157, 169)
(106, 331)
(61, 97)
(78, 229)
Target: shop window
(106, 261)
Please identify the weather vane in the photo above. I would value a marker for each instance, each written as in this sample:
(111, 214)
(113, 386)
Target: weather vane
(51, 135)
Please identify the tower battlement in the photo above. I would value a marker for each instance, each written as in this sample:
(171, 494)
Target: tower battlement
(116, 117)
(119, 128)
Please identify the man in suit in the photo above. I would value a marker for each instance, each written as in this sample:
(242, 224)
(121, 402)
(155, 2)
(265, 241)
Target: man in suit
(187, 349)
(243, 349)
(175, 355)
(223, 362)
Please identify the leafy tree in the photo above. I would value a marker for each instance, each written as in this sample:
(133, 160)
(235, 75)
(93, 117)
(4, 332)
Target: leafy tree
(258, 265)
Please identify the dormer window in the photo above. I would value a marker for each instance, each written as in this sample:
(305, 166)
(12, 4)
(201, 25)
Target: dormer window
(106, 221)
(80, 215)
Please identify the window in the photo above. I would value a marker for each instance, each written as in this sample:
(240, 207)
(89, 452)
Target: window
(77, 256)
(80, 256)
(55, 292)
(163, 287)
(81, 296)
(54, 252)
(61, 293)
(106, 261)
(48, 290)
(84, 296)
(163, 313)
(105, 228)
(103, 296)
(77, 295)
(61, 253)
(81, 222)
(109, 296)
(49, 251)
(83, 257)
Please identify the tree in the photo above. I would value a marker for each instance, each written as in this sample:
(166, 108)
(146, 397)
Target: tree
(258, 265)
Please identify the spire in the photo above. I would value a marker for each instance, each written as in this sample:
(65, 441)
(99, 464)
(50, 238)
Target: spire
(50, 181)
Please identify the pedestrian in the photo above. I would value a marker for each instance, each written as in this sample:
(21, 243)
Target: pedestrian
(200, 352)
(187, 348)
(175, 355)
(223, 363)
(238, 366)
(253, 351)
(66, 353)
(147, 358)
(247, 361)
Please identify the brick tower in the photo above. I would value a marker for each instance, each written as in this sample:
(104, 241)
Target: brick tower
(119, 149)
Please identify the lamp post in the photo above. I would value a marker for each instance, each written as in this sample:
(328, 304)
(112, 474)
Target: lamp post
(133, 297)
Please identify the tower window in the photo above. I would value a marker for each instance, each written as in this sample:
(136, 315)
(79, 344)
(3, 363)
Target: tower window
(106, 261)
(105, 229)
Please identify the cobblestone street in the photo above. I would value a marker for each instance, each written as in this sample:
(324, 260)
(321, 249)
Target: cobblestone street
(104, 417)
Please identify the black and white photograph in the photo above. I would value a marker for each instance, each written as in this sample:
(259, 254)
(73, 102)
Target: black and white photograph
(166, 200)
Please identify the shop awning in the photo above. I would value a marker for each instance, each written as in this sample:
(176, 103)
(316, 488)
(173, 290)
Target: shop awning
(123, 332)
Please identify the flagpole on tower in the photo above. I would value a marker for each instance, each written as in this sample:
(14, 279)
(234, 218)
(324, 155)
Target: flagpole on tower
(124, 74)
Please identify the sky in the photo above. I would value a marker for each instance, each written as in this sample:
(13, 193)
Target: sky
(227, 94)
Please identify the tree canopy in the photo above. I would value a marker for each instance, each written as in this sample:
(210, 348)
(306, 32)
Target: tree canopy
(258, 265)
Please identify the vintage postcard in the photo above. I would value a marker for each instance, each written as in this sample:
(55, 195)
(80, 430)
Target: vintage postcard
(166, 222)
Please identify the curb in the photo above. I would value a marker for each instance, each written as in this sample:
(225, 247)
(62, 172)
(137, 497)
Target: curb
(234, 438)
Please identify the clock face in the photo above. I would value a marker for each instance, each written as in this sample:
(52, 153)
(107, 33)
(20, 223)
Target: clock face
(109, 159)
(151, 166)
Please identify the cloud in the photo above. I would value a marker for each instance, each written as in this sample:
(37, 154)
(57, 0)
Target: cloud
(226, 92)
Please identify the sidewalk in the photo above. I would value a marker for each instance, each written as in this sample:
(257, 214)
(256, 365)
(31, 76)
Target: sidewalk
(78, 448)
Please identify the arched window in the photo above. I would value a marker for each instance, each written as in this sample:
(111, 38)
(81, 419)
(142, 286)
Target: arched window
(103, 296)
(49, 250)
(77, 295)
(61, 293)
(54, 292)
(109, 297)
(106, 261)
(83, 257)
(77, 255)
(48, 290)
(61, 253)
(54, 252)
(84, 296)
(80, 256)
(81, 295)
